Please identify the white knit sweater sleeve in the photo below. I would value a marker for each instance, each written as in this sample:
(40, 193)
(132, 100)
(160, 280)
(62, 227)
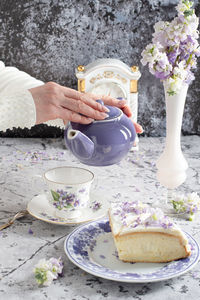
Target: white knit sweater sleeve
(17, 108)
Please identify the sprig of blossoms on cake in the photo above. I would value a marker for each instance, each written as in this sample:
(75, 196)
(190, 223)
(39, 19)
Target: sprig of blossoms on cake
(136, 213)
(158, 219)
(174, 49)
(188, 204)
(48, 270)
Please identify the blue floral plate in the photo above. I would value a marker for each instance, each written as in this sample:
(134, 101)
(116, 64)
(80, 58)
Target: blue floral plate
(91, 247)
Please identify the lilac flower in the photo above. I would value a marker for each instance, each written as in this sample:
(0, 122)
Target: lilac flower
(174, 49)
(30, 231)
(135, 214)
(190, 77)
(82, 190)
(188, 204)
(160, 36)
(48, 270)
(96, 206)
(172, 55)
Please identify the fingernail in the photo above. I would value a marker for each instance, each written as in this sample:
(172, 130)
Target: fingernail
(106, 109)
(140, 129)
(90, 120)
(122, 103)
(104, 115)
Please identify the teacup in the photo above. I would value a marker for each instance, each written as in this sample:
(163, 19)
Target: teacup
(69, 189)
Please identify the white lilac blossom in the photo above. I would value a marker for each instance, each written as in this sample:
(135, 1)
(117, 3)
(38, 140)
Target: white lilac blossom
(158, 219)
(48, 270)
(174, 49)
(188, 204)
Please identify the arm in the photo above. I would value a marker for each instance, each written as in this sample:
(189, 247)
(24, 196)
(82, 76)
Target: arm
(55, 101)
(26, 101)
(17, 106)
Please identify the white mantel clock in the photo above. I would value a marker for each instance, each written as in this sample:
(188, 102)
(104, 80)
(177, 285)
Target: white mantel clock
(111, 77)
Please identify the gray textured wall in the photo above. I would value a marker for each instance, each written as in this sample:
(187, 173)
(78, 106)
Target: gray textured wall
(49, 38)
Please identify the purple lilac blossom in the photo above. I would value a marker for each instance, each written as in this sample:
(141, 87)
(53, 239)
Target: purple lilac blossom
(178, 40)
(154, 216)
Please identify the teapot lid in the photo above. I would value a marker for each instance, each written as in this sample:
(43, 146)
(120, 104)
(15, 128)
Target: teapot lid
(113, 113)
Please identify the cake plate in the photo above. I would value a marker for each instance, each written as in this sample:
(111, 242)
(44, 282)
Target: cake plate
(91, 247)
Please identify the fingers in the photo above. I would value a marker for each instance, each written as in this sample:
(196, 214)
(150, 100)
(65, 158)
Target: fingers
(86, 98)
(80, 107)
(92, 103)
(68, 115)
(127, 111)
(90, 99)
(83, 108)
(108, 100)
(138, 128)
(71, 93)
(113, 101)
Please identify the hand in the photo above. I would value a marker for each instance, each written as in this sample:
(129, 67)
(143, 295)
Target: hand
(123, 106)
(54, 101)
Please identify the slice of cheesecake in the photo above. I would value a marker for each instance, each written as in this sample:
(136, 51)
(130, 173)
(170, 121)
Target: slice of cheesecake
(145, 234)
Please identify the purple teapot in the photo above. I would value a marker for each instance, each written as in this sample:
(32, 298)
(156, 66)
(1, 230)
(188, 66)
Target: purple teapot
(103, 142)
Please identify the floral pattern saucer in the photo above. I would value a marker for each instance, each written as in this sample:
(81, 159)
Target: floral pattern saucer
(91, 247)
(40, 208)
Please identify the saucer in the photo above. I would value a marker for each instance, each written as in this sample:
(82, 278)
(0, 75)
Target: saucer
(40, 208)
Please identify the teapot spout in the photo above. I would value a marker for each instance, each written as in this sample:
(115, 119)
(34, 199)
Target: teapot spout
(80, 145)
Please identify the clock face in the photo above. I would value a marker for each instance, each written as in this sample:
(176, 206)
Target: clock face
(109, 88)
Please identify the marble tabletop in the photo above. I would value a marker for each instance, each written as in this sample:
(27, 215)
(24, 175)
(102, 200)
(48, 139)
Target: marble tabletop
(28, 240)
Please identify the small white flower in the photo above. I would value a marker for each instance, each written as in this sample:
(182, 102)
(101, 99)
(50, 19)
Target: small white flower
(181, 7)
(193, 197)
(180, 71)
(150, 54)
(57, 265)
(188, 204)
(49, 278)
(160, 26)
(43, 264)
(47, 270)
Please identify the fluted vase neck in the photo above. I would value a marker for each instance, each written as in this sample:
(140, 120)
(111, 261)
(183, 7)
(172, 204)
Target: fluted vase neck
(172, 164)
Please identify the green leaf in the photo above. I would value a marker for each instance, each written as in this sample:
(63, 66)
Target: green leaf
(55, 195)
(151, 50)
(178, 206)
(191, 217)
(188, 13)
(68, 205)
(40, 276)
(189, 59)
(171, 93)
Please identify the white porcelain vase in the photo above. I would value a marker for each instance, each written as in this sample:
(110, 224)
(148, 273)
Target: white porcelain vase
(172, 165)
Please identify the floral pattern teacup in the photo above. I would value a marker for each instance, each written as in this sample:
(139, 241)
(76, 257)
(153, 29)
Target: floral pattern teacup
(69, 189)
